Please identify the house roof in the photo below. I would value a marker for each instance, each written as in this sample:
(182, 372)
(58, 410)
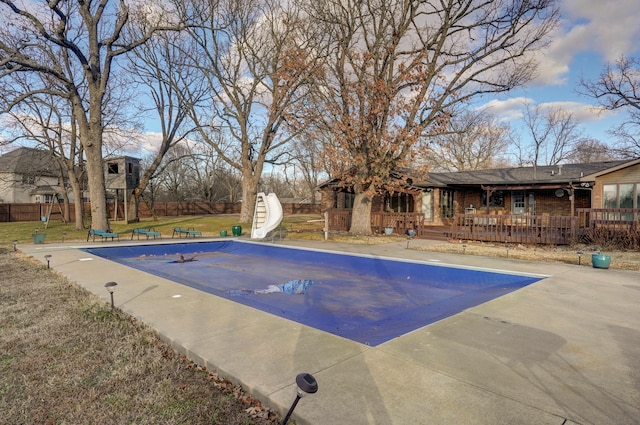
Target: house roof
(29, 161)
(542, 174)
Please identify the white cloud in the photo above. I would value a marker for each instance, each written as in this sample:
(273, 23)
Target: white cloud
(582, 112)
(511, 110)
(506, 110)
(149, 141)
(606, 28)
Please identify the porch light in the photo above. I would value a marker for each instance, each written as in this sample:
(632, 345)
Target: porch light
(307, 384)
(47, 257)
(111, 286)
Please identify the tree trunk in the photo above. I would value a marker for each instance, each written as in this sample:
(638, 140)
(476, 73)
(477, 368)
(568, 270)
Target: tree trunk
(79, 204)
(249, 192)
(361, 215)
(97, 191)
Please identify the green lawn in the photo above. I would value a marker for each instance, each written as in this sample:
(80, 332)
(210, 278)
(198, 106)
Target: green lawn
(307, 226)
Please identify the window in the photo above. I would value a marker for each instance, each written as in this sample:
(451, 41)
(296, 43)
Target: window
(112, 168)
(446, 203)
(28, 179)
(348, 200)
(625, 195)
(495, 200)
(399, 202)
(610, 196)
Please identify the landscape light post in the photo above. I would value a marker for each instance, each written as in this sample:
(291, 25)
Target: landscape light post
(15, 244)
(307, 384)
(47, 257)
(111, 286)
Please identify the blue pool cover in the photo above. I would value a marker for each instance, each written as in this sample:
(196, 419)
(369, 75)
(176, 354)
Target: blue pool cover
(366, 299)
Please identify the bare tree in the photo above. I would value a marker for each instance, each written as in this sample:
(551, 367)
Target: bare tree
(395, 69)
(550, 135)
(618, 88)
(69, 48)
(473, 140)
(252, 56)
(45, 119)
(591, 150)
(159, 67)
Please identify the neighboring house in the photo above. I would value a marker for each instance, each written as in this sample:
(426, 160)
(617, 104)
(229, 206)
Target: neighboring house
(28, 175)
(445, 199)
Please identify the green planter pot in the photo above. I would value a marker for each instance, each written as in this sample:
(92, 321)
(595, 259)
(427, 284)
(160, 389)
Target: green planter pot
(600, 261)
(39, 237)
(223, 233)
(388, 230)
(236, 230)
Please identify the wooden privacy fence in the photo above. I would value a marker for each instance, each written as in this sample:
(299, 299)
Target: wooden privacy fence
(530, 229)
(33, 212)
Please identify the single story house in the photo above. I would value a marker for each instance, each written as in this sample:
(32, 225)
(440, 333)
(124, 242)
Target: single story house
(487, 204)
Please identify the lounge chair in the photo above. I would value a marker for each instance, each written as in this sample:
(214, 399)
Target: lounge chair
(190, 232)
(146, 232)
(102, 234)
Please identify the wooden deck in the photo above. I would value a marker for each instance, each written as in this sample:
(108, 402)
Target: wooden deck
(525, 229)
(531, 229)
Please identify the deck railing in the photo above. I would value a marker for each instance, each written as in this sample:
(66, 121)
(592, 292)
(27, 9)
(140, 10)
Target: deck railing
(340, 220)
(529, 229)
(534, 229)
(612, 218)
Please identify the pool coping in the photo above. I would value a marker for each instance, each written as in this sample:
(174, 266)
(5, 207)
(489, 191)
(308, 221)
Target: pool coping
(561, 350)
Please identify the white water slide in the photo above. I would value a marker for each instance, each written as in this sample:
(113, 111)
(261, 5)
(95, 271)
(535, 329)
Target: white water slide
(267, 215)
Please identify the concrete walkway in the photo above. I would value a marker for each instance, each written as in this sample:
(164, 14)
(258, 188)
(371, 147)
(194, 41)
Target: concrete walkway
(565, 350)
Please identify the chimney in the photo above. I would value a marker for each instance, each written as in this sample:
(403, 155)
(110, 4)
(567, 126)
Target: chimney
(559, 169)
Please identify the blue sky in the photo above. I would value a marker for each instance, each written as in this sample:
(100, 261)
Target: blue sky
(592, 32)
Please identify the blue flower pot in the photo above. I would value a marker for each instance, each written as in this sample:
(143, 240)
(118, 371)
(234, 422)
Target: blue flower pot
(600, 261)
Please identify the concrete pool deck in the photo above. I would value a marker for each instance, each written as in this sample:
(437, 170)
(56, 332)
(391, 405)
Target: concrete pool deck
(564, 350)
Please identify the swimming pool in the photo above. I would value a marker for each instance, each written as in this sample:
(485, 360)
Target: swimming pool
(367, 299)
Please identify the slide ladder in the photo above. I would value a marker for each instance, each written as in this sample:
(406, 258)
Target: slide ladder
(267, 215)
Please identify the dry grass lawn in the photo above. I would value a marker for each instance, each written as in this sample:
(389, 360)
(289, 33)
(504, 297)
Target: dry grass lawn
(67, 358)
(625, 260)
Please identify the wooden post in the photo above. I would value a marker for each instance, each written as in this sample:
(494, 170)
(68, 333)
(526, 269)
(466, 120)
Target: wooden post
(326, 225)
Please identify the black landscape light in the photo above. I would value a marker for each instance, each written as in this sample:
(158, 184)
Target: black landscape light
(64, 235)
(307, 384)
(47, 257)
(111, 286)
(579, 257)
(15, 244)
